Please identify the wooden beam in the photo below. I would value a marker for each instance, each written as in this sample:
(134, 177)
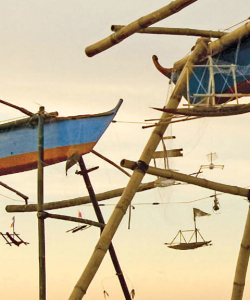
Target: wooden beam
(168, 153)
(71, 219)
(119, 273)
(40, 199)
(215, 186)
(77, 201)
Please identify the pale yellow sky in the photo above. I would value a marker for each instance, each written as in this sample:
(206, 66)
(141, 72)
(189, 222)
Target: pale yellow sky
(43, 63)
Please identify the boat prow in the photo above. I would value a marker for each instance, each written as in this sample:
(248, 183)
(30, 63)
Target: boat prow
(63, 136)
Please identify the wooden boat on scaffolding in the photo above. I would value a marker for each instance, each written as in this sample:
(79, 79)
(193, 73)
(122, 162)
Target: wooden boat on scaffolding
(215, 81)
(63, 136)
(192, 242)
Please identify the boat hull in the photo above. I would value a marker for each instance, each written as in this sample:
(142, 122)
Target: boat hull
(199, 83)
(62, 138)
(212, 111)
(189, 246)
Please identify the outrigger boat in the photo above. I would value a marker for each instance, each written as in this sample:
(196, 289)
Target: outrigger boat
(226, 74)
(216, 80)
(209, 111)
(63, 136)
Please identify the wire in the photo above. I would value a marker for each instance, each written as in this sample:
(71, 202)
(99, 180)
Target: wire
(237, 24)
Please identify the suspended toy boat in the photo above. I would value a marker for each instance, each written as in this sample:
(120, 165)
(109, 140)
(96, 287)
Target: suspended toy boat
(183, 243)
(63, 136)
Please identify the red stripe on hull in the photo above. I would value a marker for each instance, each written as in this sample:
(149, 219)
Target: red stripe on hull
(28, 161)
(242, 87)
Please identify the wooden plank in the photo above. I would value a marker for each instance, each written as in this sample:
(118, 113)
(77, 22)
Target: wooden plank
(170, 137)
(168, 153)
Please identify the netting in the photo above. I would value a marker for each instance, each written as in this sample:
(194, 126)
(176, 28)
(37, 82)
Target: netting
(223, 77)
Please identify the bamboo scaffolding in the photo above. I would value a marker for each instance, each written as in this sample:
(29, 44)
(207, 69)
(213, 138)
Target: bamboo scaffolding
(176, 31)
(143, 22)
(77, 201)
(106, 237)
(215, 186)
(242, 263)
(220, 44)
(119, 273)
(40, 196)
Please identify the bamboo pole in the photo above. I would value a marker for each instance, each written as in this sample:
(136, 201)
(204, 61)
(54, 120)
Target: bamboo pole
(106, 237)
(100, 218)
(77, 201)
(220, 44)
(21, 109)
(156, 16)
(15, 191)
(70, 219)
(215, 186)
(176, 31)
(242, 263)
(110, 162)
(41, 229)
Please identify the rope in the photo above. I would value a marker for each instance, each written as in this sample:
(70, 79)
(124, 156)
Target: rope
(237, 24)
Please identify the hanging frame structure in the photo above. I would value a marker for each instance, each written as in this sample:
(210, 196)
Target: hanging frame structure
(185, 244)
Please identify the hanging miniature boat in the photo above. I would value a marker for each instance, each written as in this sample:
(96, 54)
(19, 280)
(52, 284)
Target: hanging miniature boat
(63, 136)
(231, 75)
(193, 242)
(13, 238)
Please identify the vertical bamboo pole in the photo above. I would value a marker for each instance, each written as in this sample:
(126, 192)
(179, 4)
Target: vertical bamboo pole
(242, 263)
(195, 228)
(102, 246)
(41, 231)
(100, 218)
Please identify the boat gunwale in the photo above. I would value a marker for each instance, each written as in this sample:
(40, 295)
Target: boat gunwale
(33, 121)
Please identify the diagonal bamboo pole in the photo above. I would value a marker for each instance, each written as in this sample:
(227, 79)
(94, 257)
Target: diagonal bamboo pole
(242, 263)
(70, 219)
(143, 22)
(119, 273)
(220, 44)
(15, 191)
(176, 31)
(208, 184)
(106, 237)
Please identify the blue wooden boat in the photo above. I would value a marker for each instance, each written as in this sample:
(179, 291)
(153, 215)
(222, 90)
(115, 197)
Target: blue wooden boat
(63, 136)
(231, 74)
